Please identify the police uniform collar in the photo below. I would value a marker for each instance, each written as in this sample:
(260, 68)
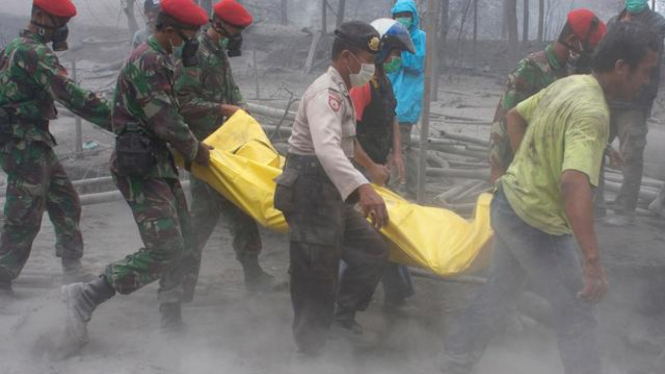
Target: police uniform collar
(337, 79)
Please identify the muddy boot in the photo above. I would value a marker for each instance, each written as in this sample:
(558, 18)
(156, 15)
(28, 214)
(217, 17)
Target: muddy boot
(171, 317)
(73, 271)
(257, 280)
(81, 299)
(344, 326)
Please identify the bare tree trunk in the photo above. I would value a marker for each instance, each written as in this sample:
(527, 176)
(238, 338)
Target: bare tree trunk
(475, 28)
(525, 23)
(511, 20)
(541, 19)
(444, 25)
(324, 16)
(131, 18)
(285, 12)
(341, 7)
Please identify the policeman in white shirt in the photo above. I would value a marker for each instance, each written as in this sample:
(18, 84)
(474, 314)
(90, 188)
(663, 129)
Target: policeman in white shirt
(318, 192)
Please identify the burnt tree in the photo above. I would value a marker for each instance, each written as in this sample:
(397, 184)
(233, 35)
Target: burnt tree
(341, 7)
(510, 13)
(285, 12)
(525, 23)
(541, 19)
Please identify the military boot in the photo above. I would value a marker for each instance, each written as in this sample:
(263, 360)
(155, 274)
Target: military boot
(73, 271)
(81, 299)
(171, 314)
(257, 280)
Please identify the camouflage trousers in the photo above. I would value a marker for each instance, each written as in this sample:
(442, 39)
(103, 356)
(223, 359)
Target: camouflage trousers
(160, 211)
(323, 230)
(36, 182)
(206, 209)
(630, 126)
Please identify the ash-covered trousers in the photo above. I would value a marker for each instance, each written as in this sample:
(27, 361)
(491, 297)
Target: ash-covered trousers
(160, 211)
(552, 265)
(206, 209)
(323, 230)
(36, 182)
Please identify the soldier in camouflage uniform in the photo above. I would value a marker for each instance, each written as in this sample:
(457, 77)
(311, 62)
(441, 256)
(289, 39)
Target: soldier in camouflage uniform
(146, 110)
(209, 96)
(537, 71)
(31, 79)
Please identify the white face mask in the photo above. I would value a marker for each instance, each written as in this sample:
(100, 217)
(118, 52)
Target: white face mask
(365, 74)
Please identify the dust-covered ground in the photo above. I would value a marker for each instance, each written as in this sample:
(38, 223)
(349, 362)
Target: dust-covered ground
(229, 330)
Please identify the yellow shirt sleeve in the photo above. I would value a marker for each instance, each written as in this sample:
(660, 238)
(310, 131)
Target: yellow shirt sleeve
(528, 106)
(584, 146)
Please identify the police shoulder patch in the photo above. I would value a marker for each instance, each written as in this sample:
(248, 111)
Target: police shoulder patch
(334, 100)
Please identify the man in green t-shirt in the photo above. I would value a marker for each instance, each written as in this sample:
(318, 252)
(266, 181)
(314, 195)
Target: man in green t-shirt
(544, 204)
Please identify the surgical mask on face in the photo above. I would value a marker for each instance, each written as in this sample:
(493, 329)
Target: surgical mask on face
(365, 74)
(405, 21)
(393, 65)
(636, 6)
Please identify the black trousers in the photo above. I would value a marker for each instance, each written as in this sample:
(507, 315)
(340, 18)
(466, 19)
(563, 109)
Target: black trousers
(324, 230)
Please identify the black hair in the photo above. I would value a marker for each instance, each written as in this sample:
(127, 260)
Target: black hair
(340, 45)
(164, 20)
(627, 41)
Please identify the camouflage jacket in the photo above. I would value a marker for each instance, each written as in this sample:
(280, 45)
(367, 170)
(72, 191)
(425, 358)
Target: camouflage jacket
(201, 89)
(31, 79)
(145, 95)
(533, 73)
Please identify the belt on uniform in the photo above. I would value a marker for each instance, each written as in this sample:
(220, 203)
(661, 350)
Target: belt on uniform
(305, 165)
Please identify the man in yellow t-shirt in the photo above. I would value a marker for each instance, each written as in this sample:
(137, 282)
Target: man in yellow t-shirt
(544, 203)
(568, 130)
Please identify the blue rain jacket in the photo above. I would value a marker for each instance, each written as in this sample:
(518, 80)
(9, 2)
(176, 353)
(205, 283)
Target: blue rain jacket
(409, 81)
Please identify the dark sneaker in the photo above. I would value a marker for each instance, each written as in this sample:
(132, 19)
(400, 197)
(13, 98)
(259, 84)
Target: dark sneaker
(262, 282)
(354, 333)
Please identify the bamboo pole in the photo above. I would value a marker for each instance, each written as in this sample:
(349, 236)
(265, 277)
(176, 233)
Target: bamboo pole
(483, 174)
(424, 126)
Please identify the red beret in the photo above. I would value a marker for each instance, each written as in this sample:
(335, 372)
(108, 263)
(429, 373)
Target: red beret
(186, 12)
(233, 13)
(57, 8)
(582, 21)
